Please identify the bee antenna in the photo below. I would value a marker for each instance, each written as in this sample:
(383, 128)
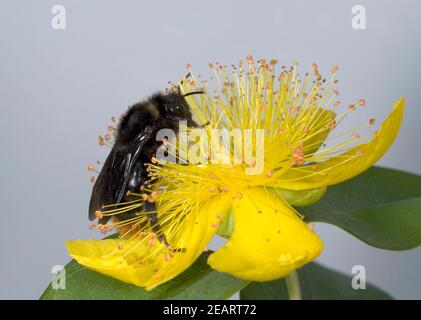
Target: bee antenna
(193, 92)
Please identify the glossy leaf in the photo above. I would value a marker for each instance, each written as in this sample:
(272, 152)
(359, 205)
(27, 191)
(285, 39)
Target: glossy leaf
(381, 207)
(198, 282)
(317, 283)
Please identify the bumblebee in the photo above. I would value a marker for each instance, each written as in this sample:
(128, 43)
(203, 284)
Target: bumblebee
(125, 169)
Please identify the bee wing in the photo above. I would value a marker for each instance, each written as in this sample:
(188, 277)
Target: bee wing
(111, 183)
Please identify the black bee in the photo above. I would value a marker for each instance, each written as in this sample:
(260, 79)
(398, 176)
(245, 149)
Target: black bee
(125, 167)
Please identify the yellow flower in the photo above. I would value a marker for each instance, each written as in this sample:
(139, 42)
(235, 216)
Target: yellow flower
(287, 122)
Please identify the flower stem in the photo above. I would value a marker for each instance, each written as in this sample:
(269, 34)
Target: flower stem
(293, 285)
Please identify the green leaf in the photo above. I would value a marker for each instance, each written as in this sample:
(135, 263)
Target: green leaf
(198, 282)
(381, 207)
(317, 283)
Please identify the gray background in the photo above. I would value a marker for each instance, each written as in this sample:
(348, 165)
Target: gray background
(59, 88)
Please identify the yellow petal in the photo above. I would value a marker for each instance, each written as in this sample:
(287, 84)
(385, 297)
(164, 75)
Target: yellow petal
(193, 236)
(348, 164)
(141, 263)
(269, 239)
(110, 258)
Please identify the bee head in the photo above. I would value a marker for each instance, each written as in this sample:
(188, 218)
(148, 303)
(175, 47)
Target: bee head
(171, 106)
(174, 107)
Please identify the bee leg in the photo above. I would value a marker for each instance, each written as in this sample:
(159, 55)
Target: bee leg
(153, 219)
